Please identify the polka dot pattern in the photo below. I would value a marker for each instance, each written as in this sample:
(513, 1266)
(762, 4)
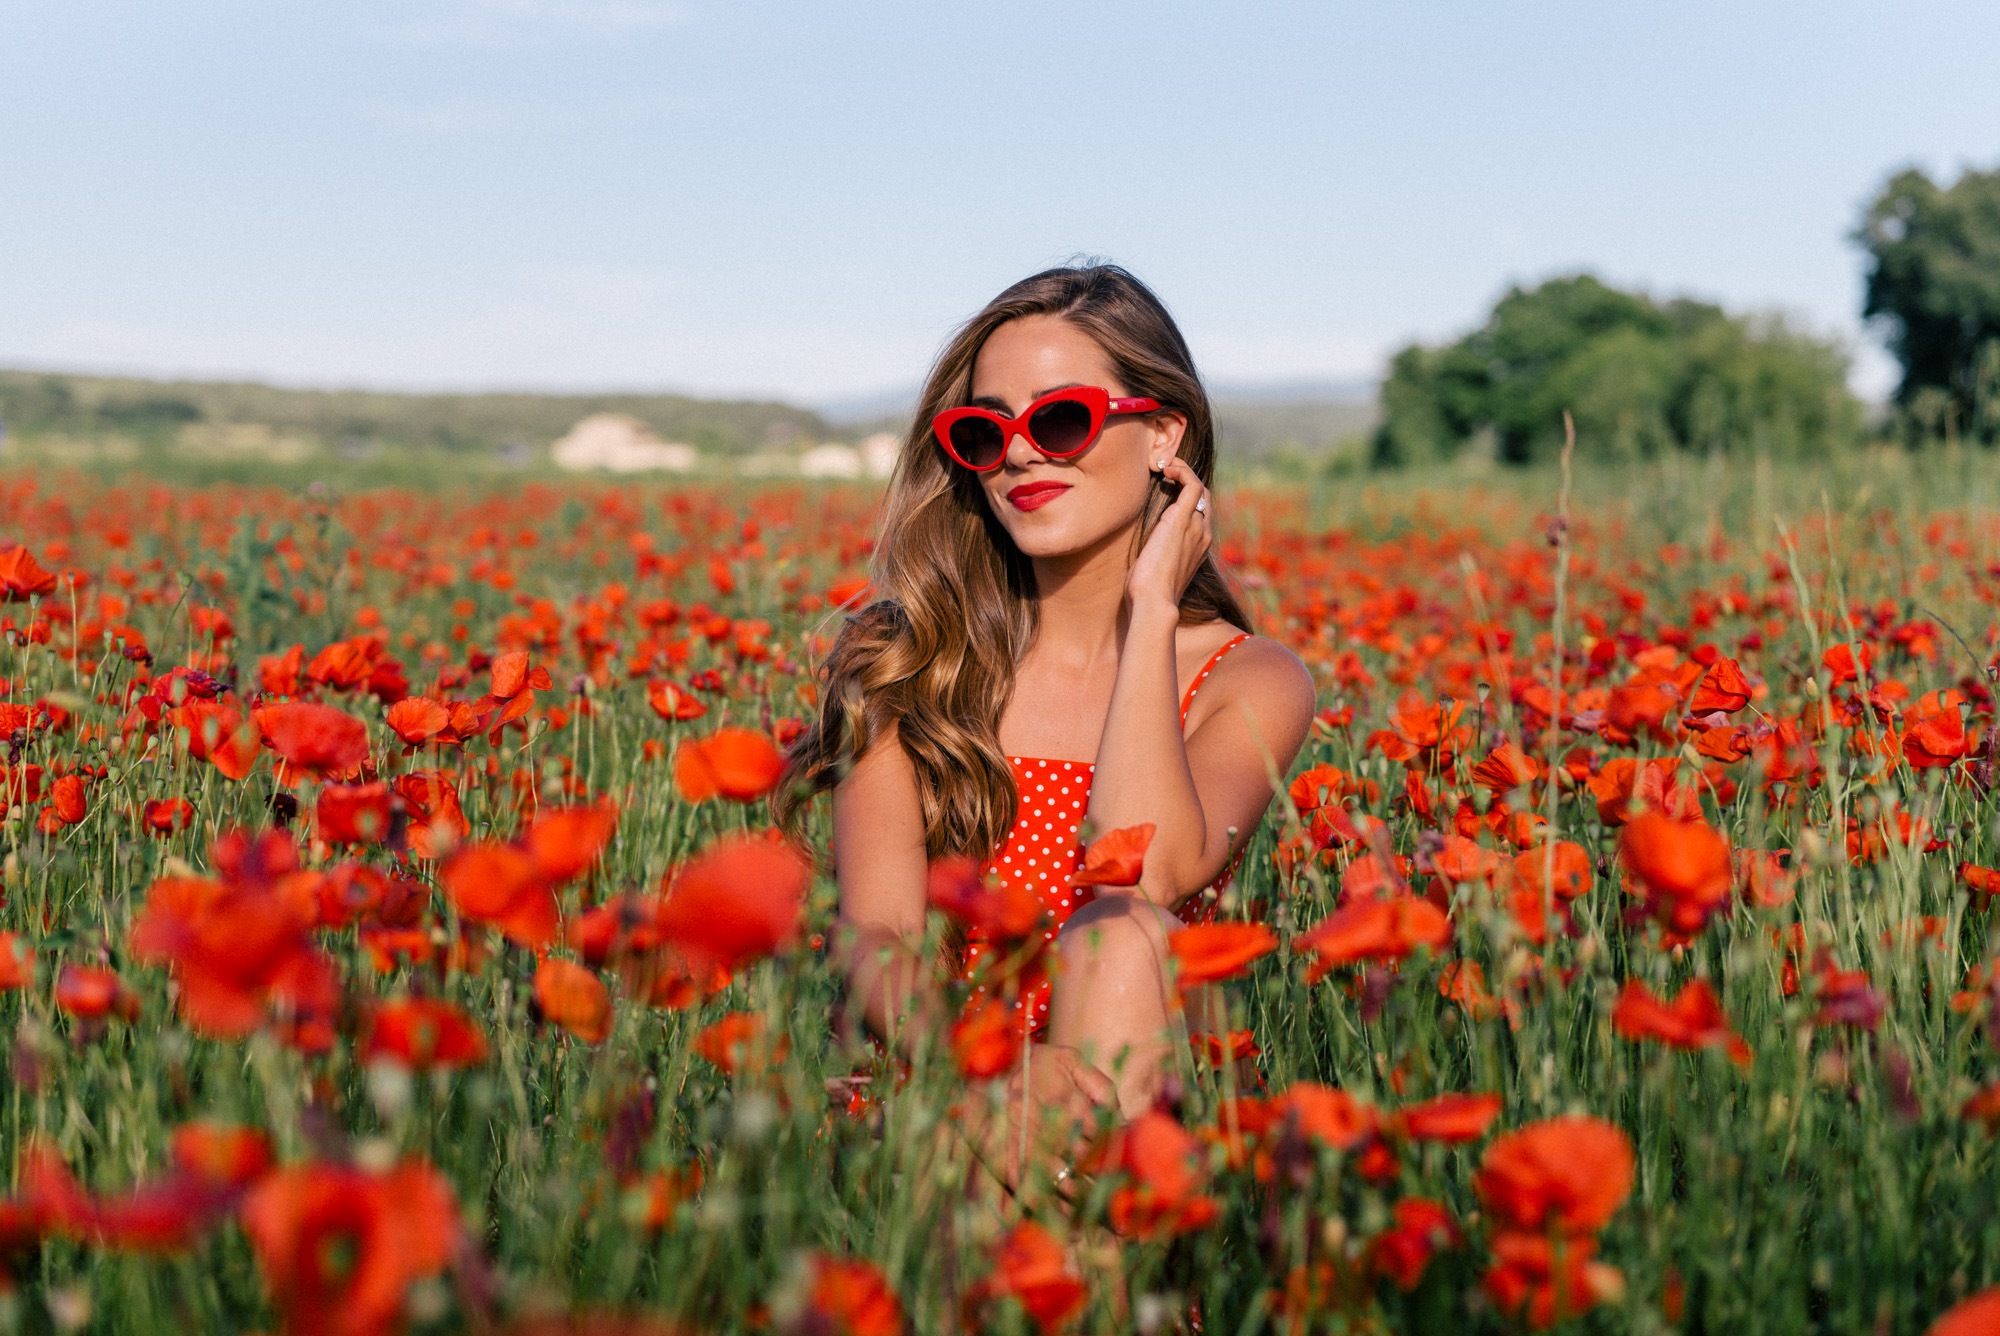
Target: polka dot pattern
(1043, 850)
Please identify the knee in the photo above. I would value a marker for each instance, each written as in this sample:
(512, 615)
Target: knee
(1116, 931)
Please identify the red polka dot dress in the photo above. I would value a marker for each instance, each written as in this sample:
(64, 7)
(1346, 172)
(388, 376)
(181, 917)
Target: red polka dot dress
(1044, 849)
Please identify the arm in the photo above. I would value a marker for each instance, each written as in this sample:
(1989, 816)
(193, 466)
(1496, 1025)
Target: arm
(1193, 789)
(880, 863)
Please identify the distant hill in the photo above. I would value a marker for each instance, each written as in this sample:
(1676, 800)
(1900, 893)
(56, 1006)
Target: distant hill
(119, 416)
(202, 414)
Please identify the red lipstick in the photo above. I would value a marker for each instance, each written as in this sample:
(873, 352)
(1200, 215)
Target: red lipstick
(1035, 495)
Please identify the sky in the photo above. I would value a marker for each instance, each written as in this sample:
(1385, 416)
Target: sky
(804, 199)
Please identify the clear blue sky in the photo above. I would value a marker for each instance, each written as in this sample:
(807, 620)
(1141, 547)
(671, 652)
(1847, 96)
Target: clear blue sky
(731, 195)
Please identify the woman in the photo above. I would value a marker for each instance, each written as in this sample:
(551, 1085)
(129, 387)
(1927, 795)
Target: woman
(1051, 641)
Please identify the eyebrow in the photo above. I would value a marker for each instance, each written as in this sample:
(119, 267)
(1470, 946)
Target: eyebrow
(995, 402)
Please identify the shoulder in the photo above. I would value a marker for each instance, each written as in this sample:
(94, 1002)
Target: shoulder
(1267, 676)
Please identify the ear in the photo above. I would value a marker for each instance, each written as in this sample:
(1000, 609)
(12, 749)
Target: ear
(1169, 427)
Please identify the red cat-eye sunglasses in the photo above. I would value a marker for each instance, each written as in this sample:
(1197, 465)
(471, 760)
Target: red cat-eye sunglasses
(1059, 424)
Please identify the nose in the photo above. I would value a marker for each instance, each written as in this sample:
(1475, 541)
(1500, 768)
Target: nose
(1020, 453)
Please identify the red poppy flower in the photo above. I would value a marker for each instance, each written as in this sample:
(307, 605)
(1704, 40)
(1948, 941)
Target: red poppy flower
(1377, 930)
(1505, 769)
(219, 735)
(1215, 951)
(1546, 1281)
(340, 1247)
(1569, 1174)
(1321, 1113)
(1221, 1050)
(316, 739)
(986, 1041)
(500, 884)
(417, 720)
(513, 693)
(1848, 662)
(737, 763)
(674, 704)
(1694, 1019)
(1162, 1165)
(1032, 1267)
(239, 946)
(997, 911)
(1681, 867)
(354, 813)
(88, 993)
(1422, 1229)
(565, 841)
(1559, 870)
(68, 804)
(737, 1043)
(1724, 690)
(436, 820)
(164, 816)
(17, 962)
(21, 576)
(1450, 1119)
(422, 1033)
(1975, 1315)
(220, 1152)
(847, 1297)
(574, 998)
(737, 902)
(1115, 858)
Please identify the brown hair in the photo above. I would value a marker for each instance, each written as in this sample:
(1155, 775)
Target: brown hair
(956, 607)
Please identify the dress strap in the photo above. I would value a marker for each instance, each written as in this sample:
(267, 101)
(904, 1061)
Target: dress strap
(1206, 669)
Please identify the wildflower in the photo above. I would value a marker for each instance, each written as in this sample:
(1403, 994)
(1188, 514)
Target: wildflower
(1162, 1195)
(1216, 951)
(1220, 1050)
(674, 704)
(1682, 867)
(737, 1042)
(735, 763)
(737, 902)
(1115, 858)
(1548, 1280)
(1723, 690)
(1694, 1019)
(1449, 1119)
(68, 803)
(1422, 1229)
(21, 576)
(986, 1041)
(1377, 930)
(1031, 1267)
(1847, 663)
(998, 911)
(1559, 870)
(574, 998)
(422, 1033)
(340, 1247)
(164, 816)
(512, 886)
(315, 739)
(513, 693)
(220, 735)
(89, 993)
(1505, 769)
(436, 821)
(417, 720)
(843, 1297)
(1976, 1315)
(17, 962)
(1567, 1174)
(355, 813)
(239, 945)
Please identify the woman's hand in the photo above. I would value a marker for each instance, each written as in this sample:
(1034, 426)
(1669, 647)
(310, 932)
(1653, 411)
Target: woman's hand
(1175, 548)
(1061, 1094)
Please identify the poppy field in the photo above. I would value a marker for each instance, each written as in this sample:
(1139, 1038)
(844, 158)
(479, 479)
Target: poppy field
(395, 937)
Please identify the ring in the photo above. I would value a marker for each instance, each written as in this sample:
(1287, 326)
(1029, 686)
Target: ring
(1201, 505)
(1062, 1176)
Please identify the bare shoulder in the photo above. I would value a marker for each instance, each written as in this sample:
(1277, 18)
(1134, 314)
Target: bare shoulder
(1268, 678)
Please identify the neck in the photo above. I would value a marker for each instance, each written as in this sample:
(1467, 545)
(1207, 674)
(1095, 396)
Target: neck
(1082, 594)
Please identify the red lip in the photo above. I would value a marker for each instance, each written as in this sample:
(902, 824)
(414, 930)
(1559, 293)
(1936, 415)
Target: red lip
(1035, 495)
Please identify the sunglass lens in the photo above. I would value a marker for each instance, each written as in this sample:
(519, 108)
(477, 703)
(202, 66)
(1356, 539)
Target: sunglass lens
(978, 441)
(1062, 427)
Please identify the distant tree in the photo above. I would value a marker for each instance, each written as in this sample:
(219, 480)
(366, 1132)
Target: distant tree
(1935, 282)
(1638, 376)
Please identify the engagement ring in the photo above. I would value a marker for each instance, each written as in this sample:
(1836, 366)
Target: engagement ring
(1201, 505)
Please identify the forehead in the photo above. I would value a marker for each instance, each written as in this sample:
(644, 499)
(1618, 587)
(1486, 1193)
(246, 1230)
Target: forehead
(1024, 357)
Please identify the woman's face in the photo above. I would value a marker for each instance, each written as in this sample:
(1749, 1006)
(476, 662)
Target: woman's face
(1055, 507)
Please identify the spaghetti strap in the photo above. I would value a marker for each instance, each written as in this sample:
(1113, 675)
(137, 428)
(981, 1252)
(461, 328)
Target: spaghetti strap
(1206, 669)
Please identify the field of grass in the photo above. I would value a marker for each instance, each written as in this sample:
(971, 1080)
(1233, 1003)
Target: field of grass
(392, 942)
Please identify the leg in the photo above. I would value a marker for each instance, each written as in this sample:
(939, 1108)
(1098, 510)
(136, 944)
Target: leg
(1112, 1000)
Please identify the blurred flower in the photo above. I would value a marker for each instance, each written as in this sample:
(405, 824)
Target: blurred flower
(736, 763)
(1115, 858)
(1212, 952)
(573, 998)
(1694, 1019)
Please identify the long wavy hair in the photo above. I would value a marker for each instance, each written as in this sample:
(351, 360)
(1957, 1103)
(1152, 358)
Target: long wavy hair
(955, 606)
